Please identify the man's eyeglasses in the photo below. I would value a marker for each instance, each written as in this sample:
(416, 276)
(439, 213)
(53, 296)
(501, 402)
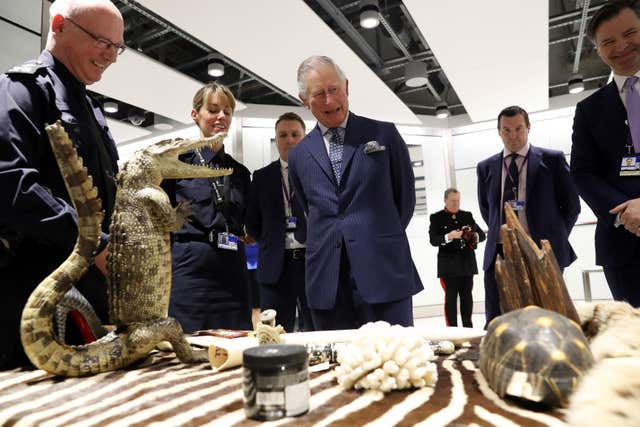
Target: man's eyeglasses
(333, 90)
(100, 41)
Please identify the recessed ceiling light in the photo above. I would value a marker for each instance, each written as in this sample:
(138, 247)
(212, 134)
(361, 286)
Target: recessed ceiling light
(415, 74)
(162, 126)
(369, 14)
(576, 84)
(215, 68)
(442, 111)
(111, 107)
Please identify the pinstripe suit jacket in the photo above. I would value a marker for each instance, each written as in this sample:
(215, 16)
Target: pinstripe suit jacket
(368, 212)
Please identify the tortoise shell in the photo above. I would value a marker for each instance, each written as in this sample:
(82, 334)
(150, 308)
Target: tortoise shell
(534, 354)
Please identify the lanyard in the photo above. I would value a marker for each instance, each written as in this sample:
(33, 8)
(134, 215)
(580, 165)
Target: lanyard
(506, 169)
(287, 196)
(218, 195)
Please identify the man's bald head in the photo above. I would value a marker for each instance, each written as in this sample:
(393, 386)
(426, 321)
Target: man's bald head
(84, 35)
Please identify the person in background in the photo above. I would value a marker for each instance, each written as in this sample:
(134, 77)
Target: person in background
(456, 235)
(276, 221)
(38, 225)
(354, 180)
(210, 286)
(606, 135)
(536, 183)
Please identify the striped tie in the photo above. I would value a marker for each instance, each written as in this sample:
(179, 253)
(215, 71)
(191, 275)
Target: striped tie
(335, 152)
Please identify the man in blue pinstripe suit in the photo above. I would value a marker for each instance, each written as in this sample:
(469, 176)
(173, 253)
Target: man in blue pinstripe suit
(354, 179)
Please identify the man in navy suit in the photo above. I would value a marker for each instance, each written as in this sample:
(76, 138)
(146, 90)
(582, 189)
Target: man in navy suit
(606, 135)
(275, 220)
(354, 179)
(537, 186)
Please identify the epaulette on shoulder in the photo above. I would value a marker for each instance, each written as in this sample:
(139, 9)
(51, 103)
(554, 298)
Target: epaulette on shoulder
(29, 67)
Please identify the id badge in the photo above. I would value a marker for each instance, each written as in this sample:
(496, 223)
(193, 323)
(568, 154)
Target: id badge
(630, 165)
(291, 222)
(516, 205)
(228, 241)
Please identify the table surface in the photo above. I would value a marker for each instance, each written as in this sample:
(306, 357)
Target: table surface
(165, 392)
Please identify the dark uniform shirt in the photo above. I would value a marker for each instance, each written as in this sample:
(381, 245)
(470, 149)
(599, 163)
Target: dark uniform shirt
(208, 282)
(213, 209)
(36, 217)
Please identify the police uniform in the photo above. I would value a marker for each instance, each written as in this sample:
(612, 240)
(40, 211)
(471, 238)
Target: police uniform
(210, 288)
(456, 262)
(37, 221)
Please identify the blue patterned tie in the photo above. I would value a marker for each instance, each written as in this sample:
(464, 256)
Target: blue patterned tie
(633, 110)
(335, 152)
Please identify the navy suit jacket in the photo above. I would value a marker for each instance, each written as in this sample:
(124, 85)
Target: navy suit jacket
(368, 212)
(265, 221)
(552, 203)
(600, 134)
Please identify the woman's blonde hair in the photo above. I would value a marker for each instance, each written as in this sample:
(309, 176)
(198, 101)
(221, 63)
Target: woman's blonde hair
(205, 92)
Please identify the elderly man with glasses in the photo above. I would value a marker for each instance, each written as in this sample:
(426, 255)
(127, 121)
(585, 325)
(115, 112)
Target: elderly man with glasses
(37, 222)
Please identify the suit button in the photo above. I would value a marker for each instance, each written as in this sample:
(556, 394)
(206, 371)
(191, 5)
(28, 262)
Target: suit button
(341, 215)
(338, 244)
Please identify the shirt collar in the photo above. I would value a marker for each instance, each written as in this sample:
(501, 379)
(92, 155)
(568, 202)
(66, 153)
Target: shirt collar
(522, 152)
(621, 79)
(61, 71)
(343, 125)
(283, 164)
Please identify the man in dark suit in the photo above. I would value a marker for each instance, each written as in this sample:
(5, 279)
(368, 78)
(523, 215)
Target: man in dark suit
(536, 183)
(606, 135)
(354, 179)
(38, 224)
(456, 235)
(275, 220)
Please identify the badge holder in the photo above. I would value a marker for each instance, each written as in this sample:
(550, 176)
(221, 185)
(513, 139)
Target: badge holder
(291, 223)
(516, 205)
(228, 241)
(630, 165)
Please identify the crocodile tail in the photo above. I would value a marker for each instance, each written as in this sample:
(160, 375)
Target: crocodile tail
(37, 325)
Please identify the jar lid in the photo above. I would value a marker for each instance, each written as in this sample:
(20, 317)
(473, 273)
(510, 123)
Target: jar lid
(268, 356)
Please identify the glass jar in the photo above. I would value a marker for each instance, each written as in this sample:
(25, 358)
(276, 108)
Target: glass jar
(275, 381)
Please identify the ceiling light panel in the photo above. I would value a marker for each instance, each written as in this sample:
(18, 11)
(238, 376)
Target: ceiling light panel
(495, 54)
(260, 37)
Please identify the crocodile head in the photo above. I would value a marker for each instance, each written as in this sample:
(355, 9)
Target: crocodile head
(160, 161)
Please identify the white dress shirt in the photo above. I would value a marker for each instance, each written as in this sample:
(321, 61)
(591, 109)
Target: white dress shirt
(327, 136)
(522, 181)
(620, 82)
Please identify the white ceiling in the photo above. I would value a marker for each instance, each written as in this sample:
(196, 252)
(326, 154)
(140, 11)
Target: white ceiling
(495, 53)
(271, 38)
(141, 81)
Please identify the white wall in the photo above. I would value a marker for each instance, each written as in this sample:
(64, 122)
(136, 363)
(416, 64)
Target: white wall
(451, 155)
(550, 130)
(20, 37)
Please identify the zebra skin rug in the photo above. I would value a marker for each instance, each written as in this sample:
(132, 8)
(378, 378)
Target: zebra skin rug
(165, 392)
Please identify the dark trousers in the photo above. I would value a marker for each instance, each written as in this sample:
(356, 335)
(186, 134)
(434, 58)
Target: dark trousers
(288, 294)
(491, 296)
(210, 288)
(624, 283)
(351, 311)
(454, 287)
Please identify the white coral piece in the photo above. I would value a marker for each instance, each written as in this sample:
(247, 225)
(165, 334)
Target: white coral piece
(384, 357)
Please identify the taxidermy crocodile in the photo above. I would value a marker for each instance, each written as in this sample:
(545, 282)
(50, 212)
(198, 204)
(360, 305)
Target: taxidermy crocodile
(139, 261)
